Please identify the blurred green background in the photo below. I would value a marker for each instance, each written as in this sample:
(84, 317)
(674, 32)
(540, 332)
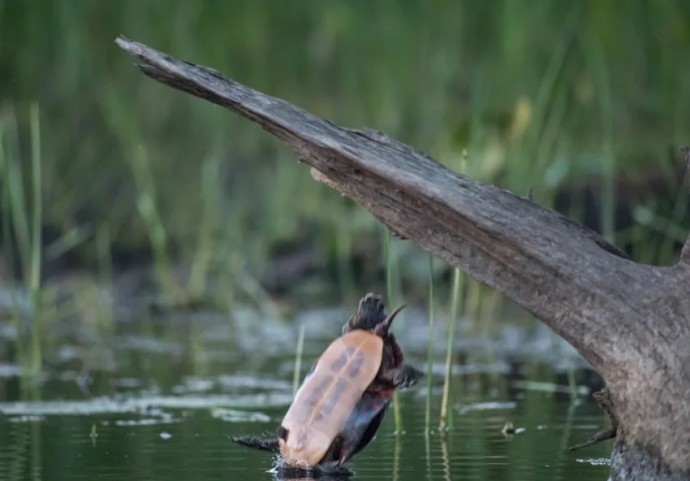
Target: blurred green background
(584, 103)
(114, 188)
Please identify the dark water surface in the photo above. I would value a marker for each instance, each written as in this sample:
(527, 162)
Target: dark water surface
(158, 400)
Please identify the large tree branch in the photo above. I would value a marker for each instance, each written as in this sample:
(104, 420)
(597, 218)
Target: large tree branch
(631, 321)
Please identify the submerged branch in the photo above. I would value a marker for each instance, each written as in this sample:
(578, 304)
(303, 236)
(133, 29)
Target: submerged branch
(603, 398)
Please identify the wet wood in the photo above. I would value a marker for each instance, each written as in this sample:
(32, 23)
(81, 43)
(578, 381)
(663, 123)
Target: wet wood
(603, 398)
(630, 321)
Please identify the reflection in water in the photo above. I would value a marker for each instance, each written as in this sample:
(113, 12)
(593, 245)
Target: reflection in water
(19, 462)
(156, 414)
(36, 452)
(427, 446)
(563, 444)
(197, 447)
(321, 477)
(23, 461)
(445, 459)
(293, 474)
(396, 457)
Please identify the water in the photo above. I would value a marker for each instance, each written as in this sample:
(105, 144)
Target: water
(159, 399)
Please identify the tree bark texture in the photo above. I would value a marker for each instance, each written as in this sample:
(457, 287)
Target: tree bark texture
(630, 321)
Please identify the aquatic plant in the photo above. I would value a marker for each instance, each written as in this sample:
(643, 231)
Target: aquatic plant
(556, 121)
(22, 225)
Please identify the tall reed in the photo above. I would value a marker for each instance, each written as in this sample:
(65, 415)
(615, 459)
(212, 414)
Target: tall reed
(430, 350)
(105, 269)
(297, 374)
(36, 241)
(150, 214)
(389, 263)
(22, 226)
(210, 191)
(446, 419)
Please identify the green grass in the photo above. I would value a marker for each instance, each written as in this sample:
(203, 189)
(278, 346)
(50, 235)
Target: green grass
(526, 96)
(297, 372)
(390, 262)
(430, 353)
(446, 416)
(36, 243)
(22, 226)
(538, 96)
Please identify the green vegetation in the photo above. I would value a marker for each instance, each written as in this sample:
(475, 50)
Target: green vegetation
(297, 373)
(22, 219)
(445, 418)
(581, 103)
(578, 101)
(430, 353)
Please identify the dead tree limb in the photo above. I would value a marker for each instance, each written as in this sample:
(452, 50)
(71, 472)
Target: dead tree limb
(603, 398)
(630, 321)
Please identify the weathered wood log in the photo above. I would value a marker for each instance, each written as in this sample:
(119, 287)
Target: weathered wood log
(603, 398)
(630, 321)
